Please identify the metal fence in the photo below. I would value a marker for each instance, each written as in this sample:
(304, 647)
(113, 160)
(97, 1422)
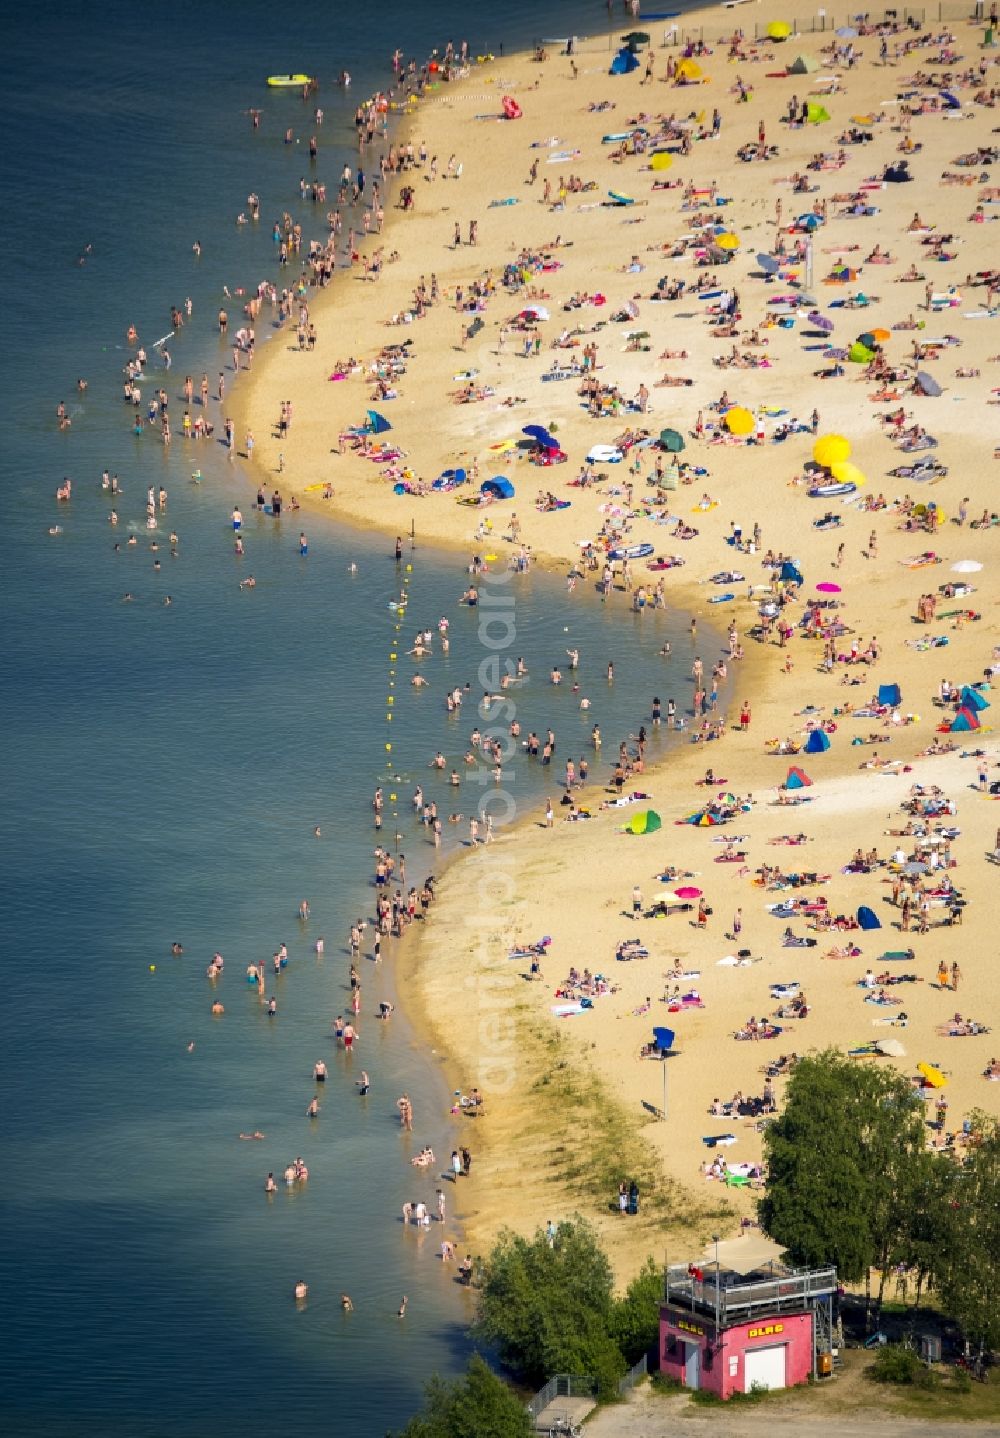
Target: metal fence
(633, 1376)
(563, 1385)
(675, 34)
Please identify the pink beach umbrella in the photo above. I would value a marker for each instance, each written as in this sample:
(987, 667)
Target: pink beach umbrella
(688, 892)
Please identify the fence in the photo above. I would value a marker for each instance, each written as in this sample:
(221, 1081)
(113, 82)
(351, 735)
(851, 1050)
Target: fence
(633, 1376)
(563, 1385)
(675, 34)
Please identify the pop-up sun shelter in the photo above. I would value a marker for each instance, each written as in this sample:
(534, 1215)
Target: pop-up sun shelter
(889, 694)
(867, 918)
(817, 743)
(972, 700)
(377, 423)
(645, 823)
(963, 721)
(499, 487)
(803, 65)
(797, 778)
(624, 62)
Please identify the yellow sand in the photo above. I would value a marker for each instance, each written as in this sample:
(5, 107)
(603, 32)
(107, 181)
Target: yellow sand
(562, 1094)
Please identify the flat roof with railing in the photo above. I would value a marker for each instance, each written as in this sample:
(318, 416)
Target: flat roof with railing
(739, 1297)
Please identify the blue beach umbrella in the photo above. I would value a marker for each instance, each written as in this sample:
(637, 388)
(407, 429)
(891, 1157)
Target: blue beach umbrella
(540, 435)
(768, 264)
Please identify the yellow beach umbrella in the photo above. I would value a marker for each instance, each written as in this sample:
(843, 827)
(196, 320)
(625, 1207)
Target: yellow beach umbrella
(727, 242)
(934, 1076)
(779, 30)
(844, 472)
(739, 420)
(661, 161)
(831, 449)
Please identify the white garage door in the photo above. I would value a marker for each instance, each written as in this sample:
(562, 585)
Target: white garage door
(764, 1367)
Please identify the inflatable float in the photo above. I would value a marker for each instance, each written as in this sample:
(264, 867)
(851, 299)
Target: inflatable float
(288, 82)
(631, 551)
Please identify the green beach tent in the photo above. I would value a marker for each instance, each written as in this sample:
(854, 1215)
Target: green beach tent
(803, 65)
(645, 823)
(816, 113)
(859, 353)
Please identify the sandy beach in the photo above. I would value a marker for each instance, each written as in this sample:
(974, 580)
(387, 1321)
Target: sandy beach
(706, 272)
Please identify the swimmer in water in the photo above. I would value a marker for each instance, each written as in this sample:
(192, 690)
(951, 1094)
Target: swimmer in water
(401, 1310)
(256, 1136)
(345, 1303)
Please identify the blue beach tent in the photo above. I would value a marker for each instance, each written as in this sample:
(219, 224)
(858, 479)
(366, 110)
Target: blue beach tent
(889, 694)
(867, 918)
(377, 423)
(972, 699)
(499, 487)
(790, 574)
(663, 1039)
(817, 743)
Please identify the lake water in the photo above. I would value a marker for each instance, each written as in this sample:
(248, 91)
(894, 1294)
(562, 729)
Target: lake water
(166, 767)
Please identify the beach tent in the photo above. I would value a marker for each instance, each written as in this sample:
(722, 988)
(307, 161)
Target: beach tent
(803, 65)
(688, 70)
(797, 778)
(933, 1076)
(860, 354)
(952, 102)
(972, 700)
(816, 113)
(624, 63)
(499, 487)
(790, 574)
(663, 1039)
(645, 823)
(867, 918)
(540, 435)
(511, 109)
(818, 742)
(889, 694)
(963, 721)
(671, 441)
(897, 174)
(377, 423)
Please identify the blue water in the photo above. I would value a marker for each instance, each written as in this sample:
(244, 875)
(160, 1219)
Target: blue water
(166, 766)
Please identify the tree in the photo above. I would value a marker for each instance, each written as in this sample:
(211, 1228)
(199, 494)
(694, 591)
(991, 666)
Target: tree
(635, 1317)
(969, 1280)
(480, 1405)
(546, 1303)
(842, 1160)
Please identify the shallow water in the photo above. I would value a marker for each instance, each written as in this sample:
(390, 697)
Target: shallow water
(166, 767)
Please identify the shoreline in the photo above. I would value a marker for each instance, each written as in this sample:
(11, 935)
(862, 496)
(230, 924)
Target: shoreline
(437, 436)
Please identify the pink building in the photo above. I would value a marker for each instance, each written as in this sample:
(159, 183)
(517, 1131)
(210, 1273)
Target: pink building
(728, 1332)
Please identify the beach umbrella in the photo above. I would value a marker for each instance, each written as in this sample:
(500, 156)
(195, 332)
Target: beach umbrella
(688, 891)
(739, 420)
(881, 336)
(892, 1048)
(769, 264)
(821, 322)
(636, 37)
(927, 384)
(536, 312)
(377, 423)
(779, 30)
(540, 435)
(916, 866)
(809, 221)
(661, 160)
(830, 449)
(671, 441)
(966, 566)
(727, 241)
(847, 32)
(844, 472)
(933, 1076)
(645, 823)
(828, 588)
(867, 339)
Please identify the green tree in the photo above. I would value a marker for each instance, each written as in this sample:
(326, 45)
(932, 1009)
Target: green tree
(969, 1280)
(842, 1159)
(479, 1405)
(546, 1304)
(635, 1317)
